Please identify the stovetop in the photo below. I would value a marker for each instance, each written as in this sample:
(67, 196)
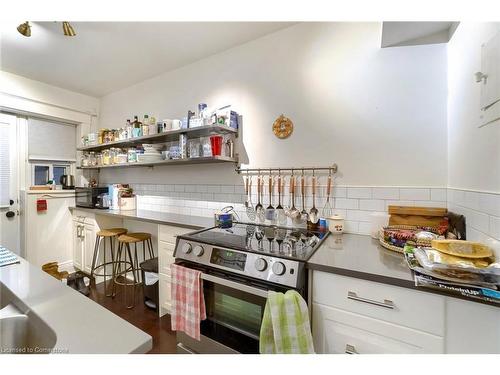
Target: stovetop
(289, 243)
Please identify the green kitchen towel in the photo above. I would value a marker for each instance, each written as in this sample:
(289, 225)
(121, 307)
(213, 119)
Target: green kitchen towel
(285, 325)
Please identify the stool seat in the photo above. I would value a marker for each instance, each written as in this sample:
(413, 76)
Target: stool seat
(134, 237)
(111, 232)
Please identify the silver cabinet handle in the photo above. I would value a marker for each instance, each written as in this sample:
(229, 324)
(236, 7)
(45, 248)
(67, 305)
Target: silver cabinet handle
(387, 303)
(350, 349)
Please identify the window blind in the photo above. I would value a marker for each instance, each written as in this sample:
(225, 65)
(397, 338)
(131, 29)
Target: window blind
(49, 140)
(4, 164)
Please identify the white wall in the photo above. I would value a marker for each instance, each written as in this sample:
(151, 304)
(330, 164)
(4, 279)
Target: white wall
(379, 113)
(27, 97)
(473, 153)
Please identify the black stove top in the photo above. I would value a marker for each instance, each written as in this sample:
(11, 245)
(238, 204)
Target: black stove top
(291, 243)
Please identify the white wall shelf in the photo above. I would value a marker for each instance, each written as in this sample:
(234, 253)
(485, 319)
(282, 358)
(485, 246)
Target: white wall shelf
(172, 135)
(201, 160)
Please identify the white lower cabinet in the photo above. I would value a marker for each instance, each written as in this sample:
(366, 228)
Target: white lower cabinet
(166, 245)
(84, 231)
(351, 315)
(85, 227)
(338, 331)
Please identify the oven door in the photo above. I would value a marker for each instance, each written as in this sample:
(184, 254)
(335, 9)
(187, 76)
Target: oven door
(234, 308)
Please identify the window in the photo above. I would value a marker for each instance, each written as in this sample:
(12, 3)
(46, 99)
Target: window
(41, 175)
(44, 171)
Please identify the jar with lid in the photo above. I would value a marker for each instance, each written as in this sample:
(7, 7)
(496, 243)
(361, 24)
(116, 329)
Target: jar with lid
(112, 154)
(132, 155)
(84, 162)
(92, 159)
(106, 157)
(98, 159)
(121, 156)
(100, 136)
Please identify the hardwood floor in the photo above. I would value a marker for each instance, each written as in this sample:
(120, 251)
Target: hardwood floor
(140, 316)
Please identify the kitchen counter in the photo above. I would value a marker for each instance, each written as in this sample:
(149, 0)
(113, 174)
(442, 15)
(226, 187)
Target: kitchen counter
(362, 257)
(165, 218)
(81, 325)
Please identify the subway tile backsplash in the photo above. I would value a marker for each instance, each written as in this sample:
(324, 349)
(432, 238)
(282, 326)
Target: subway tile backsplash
(353, 203)
(482, 215)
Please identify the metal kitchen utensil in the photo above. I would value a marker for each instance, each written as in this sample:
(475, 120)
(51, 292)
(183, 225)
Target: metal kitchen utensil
(304, 216)
(313, 214)
(294, 212)
(270, 212)
(248, 204)
(259, 209)
(327, 208)
(280, 212)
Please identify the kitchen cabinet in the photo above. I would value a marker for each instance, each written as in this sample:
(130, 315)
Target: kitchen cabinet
(166, 245)
(351, 315)
(85, 227)
(360, 316)
(339, 331)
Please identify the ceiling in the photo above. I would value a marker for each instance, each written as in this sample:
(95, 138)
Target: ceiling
(395, 34)
(107, 56)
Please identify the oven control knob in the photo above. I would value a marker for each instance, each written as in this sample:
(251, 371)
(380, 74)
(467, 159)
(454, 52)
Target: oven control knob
(186, 248)
(278, 268)
(198, 250)
(260, 264)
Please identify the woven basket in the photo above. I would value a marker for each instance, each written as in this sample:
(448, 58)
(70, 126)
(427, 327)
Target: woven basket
(417, 242)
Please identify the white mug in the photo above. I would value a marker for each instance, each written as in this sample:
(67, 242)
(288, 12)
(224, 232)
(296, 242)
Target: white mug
(167, 125)
(336, 224)
(176, 124)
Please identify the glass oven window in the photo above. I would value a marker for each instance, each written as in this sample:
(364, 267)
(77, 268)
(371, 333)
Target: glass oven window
(234, 317)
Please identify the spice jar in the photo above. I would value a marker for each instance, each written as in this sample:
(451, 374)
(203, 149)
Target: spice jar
(106, 157)
(132, 155)
(92, 159)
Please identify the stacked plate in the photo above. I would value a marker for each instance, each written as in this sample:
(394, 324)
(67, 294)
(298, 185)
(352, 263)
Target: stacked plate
(151, 153)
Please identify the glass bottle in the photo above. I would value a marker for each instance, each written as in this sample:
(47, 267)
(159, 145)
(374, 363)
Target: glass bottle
(145, 125)
(137, 127)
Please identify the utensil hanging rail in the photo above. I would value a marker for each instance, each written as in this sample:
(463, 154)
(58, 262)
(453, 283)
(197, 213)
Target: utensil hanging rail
(333, 169)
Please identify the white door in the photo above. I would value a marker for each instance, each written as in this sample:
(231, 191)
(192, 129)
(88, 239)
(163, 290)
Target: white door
(9, 185)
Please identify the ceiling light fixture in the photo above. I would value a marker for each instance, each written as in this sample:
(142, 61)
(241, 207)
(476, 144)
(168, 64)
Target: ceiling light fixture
(24, 29)
(68, 29)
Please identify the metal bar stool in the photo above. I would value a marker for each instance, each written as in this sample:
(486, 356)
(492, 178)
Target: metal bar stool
(131, 262)
(112, 234)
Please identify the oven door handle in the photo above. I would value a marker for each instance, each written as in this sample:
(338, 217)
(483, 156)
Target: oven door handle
(232, 284)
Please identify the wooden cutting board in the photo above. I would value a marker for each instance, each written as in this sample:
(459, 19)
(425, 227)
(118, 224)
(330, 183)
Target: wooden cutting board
(419, 216)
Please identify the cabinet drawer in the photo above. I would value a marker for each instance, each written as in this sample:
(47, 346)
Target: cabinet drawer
(168, 233)
(410, 308)
(338, 331)
(165, 256)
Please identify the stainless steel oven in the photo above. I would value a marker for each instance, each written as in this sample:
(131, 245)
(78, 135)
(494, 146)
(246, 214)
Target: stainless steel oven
(234, 308)
(239, 266)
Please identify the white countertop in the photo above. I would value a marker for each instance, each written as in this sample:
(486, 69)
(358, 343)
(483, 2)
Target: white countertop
(81, 325)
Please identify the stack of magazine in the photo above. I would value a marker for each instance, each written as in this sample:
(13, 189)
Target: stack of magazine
(7, 257)
(473, 283)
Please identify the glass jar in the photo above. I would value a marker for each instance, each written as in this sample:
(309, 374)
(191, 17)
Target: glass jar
(121, 156)
(92, 159)
(84, 162)
(98, 159)
(112, 154)
(106, 157)
(132, 155)
(100, 137)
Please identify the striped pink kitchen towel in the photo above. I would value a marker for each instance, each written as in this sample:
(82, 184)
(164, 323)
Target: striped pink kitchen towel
(188, 303)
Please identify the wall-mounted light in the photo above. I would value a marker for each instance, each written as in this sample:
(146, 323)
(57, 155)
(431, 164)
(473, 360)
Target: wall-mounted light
(68, 29)
(24, 29)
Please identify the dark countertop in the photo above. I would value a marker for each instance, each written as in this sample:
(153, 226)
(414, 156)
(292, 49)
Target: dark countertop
(362, 257)
(186, 221)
